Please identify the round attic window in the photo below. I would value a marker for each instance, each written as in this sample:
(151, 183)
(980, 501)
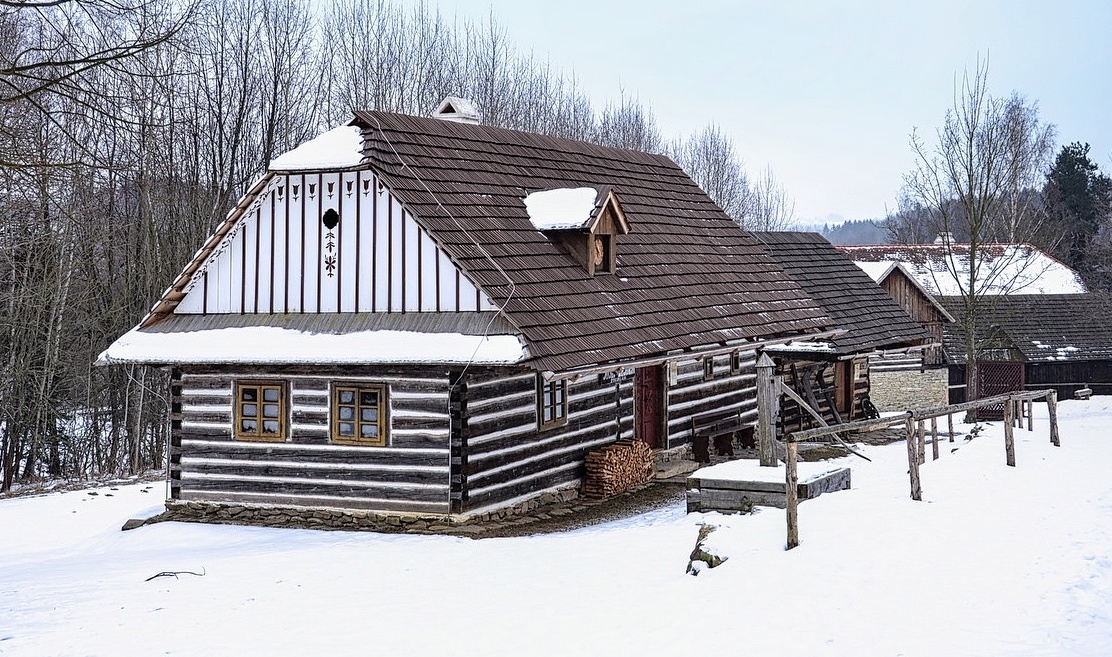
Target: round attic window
(330, 219)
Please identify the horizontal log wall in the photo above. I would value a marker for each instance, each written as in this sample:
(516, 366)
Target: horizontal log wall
(733, 385)
(508, 459)
(410, 474)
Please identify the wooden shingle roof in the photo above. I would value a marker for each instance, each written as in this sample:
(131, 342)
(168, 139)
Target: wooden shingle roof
(871, 319)
(1040, 327)
(686, 275)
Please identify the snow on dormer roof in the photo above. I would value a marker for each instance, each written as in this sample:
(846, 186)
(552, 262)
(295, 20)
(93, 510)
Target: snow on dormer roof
(561, 209)
(339, 148)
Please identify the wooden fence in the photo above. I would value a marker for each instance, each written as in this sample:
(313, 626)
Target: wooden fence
(1017, 405)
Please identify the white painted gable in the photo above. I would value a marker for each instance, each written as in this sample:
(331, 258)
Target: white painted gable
(282, 256)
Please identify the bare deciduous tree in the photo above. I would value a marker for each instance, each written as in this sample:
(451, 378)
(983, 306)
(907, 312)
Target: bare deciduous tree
(975, 181)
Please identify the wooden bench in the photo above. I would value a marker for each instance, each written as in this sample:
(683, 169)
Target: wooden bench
(1083, 393)
(719, 427)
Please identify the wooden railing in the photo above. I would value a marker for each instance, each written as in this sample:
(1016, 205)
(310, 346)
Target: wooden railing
(1016, 406)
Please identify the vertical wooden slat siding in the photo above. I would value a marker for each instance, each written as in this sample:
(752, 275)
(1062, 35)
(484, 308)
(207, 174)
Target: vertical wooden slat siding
(255, 259)
(358, 237)
(410, 474)
(301, 242)
(320, 236)
(174, 461)
(273, 245)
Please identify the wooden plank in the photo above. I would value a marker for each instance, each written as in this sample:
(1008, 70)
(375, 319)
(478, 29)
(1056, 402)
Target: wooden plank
(934, 438)
(1052, 412)
(791, 484)
(913, 461)
(1009, 437)
(727, 484)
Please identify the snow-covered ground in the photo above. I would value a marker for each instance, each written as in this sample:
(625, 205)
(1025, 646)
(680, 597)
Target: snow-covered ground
(994, 561)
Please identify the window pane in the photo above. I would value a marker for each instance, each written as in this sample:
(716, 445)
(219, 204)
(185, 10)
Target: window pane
(547, 413)
(270, 394)
(248, 426)
(347, 396)
(249, 394)
(347, 413)
(369, 430)
(250, 410)
(270, 426)
(367, 398)
(347, 429)
(270, 410)
(370, 415)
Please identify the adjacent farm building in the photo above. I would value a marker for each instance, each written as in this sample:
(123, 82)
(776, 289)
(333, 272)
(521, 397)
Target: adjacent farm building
(836, 376)
(430, 316)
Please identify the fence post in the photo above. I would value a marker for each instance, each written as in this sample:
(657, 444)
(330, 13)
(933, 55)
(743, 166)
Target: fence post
(768, 408)
(1052, 411)
(921, 443)
(913, 461)
(934, 438)
(950, 425)
(1030, 414)
(791, 493)
(1009, 435)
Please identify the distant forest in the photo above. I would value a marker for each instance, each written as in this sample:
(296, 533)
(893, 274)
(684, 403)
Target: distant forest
(865, 231)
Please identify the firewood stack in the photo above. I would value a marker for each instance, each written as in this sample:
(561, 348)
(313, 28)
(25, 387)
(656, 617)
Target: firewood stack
(618, 467)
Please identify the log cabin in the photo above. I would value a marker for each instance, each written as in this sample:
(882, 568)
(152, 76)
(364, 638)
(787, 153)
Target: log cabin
(834, 377)
(426, 315)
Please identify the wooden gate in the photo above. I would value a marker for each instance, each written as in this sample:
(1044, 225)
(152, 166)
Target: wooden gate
(648, 411)
(997, 378)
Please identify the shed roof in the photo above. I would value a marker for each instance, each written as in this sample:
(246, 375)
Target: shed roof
(871, 319)
(1040, 327)
(686, 275)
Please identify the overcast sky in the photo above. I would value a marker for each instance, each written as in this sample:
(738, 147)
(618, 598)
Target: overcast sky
(826, 93)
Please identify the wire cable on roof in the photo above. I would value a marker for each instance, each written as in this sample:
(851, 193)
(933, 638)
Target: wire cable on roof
(460, 226)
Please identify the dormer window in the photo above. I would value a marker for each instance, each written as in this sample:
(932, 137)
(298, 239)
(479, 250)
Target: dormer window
(585, 220)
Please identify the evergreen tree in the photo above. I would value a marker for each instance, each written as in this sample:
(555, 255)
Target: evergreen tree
(1077, 198)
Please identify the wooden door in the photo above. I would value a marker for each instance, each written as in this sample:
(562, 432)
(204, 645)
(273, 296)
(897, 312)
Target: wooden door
(648, 405)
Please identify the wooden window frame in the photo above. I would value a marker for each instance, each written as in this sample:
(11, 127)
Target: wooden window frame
(735, 363)
(336, 405)
(708, 368)
(260, 387)
(554, 395)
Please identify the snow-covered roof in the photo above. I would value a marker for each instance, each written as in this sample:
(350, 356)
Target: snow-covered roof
(803, 346)
(943, 269)
(878, 271)
(561, 209)
(274, 344)
(339, 148)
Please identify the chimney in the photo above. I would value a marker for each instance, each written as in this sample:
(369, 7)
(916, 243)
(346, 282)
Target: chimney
(460, 110)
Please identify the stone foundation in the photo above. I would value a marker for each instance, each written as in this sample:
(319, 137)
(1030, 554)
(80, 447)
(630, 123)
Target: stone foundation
(900, 390)
(259, 515)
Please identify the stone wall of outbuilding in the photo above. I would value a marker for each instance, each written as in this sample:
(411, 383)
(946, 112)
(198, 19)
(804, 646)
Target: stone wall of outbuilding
(900, 390)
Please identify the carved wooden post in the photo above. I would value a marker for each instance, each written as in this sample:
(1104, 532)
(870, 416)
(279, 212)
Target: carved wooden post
(1052, 411)
(934, 438)
(1009, 432)
(768, 409)
(791, 491)
(913, 461)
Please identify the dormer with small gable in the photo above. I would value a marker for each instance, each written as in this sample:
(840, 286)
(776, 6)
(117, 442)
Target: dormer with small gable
(586, 221)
